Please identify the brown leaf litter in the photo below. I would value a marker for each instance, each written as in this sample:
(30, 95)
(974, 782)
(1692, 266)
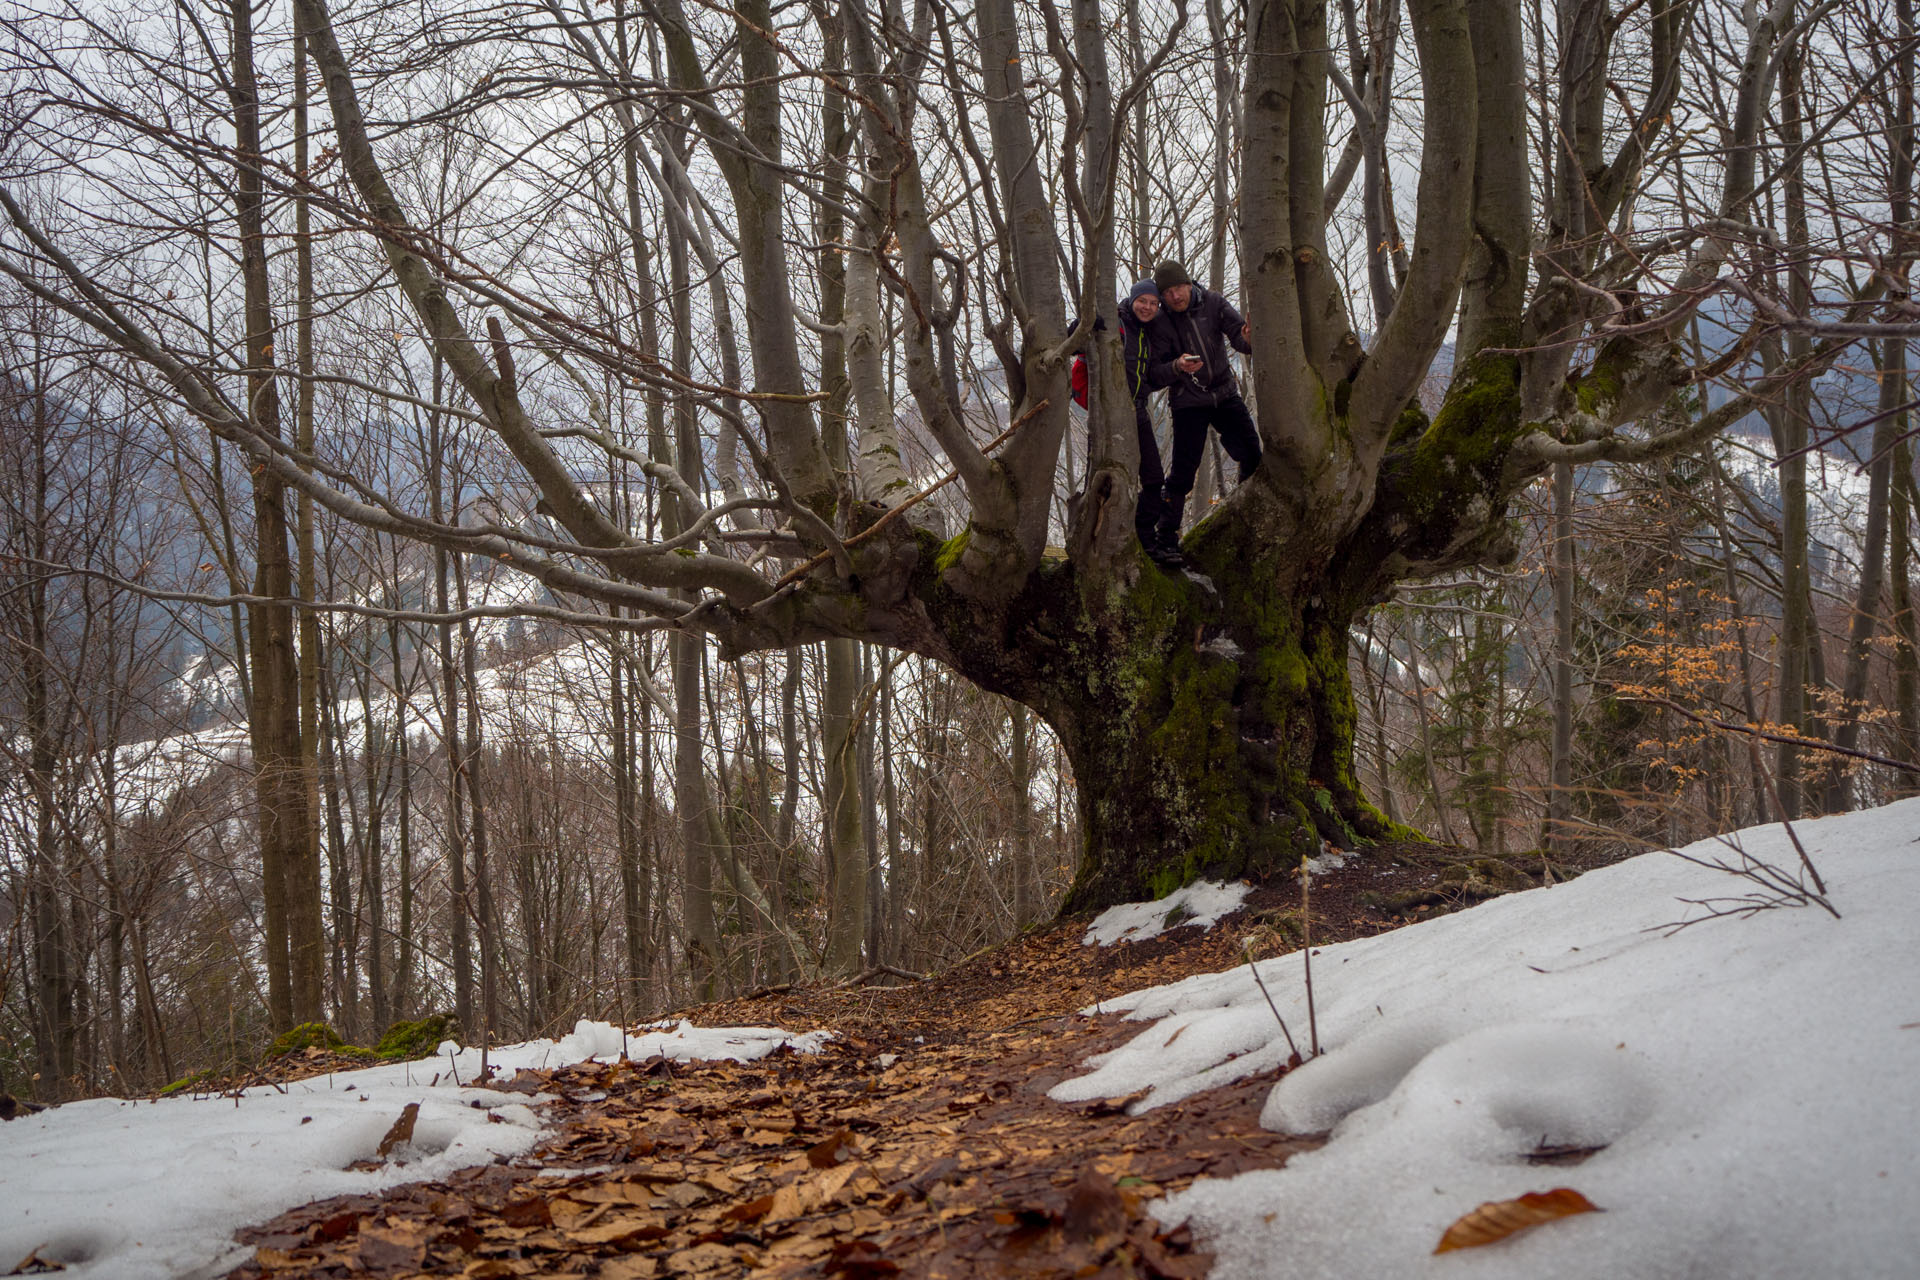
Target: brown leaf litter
(920, 1142)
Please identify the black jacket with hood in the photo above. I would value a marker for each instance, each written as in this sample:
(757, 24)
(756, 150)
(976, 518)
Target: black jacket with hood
(1205, 329)
(1136, 355)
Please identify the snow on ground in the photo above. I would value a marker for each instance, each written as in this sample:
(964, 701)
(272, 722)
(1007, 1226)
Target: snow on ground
(1201, 903)
(1755, 1083)
(129, 1190)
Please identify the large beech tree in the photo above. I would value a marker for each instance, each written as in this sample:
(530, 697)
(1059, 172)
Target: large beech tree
(1562, 231)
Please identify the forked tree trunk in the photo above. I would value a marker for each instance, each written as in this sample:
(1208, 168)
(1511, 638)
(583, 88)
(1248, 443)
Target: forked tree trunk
(1210, 727)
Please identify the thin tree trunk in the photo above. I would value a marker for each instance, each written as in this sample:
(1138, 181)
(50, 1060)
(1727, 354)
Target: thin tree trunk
(403, 929)
(450, 741)
(870, 805)
(789, 750)
(1223, 96)
(1873, 566)
(635, 891)
(689, 767)
(1558, 833)
(309, 621)
(345, 942)
(846, 852)
(1026, 892)
(288, 842)
(485, 917)
(1906, 650)
(55, 980)
(1799, 633)
(1906, 653)
(895, 921)
(1142, 180)
(378, 771)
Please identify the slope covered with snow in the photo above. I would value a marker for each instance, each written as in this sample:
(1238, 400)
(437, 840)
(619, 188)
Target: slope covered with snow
(131, 1190)
(1752, 1085)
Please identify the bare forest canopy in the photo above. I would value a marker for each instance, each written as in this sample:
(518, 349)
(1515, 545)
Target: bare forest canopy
(710, 364)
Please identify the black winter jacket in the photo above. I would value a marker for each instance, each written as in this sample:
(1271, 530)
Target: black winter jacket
(1136, 354)
(1205, 329)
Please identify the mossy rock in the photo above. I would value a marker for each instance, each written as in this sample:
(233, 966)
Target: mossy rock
(308, 1035)
(191, 1083)
(1406, 903)
(1504, 872)
(417, 1039)
(1274, 932)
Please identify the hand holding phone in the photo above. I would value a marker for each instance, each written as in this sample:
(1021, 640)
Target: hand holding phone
(1189, 362)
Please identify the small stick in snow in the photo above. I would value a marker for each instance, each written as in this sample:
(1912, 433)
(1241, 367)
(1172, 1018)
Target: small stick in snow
(1271, 1005)
(1306, 953)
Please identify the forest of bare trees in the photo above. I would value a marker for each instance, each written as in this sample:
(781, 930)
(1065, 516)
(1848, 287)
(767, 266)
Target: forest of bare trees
(542, 510)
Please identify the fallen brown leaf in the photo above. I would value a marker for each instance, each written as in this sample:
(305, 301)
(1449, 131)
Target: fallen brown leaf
(530, 1211)
(702, 1257)
(1497, 1219)
(496, 1269)
(394, 1246)
(682, 1195)
(826, 1153)
(859, 1260)
(627, 1230)
(402, 1130)
(748, 1210)
(1094, 1207)
(791, 1201)
(1115, 1106)
(628, 1268)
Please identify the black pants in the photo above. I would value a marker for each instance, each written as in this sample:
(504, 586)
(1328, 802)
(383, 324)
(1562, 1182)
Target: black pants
(1237, 436)
(1153, 500)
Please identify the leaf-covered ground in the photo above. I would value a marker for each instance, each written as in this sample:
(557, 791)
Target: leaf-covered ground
(920, 1142)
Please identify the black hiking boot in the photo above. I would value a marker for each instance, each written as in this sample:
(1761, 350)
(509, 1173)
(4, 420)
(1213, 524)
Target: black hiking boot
(1164, 548)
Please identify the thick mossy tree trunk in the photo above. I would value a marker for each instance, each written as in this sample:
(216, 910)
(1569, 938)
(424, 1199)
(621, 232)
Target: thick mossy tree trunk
(1209, 719)
(1212, 741)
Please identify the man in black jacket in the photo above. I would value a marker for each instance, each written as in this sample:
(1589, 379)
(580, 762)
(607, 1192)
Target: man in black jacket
(1189, 340)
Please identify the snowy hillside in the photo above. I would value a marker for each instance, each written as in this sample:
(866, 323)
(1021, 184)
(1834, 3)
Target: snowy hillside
(130, 1191)
(1741, 1095)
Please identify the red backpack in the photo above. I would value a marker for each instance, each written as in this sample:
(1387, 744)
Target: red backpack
(1078, 379)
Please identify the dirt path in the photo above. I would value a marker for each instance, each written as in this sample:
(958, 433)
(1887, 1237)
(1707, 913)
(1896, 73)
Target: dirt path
(920, 1142)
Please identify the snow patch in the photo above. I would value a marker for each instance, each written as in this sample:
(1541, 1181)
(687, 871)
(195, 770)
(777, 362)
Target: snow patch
(1332, 860)
(1202, 903)
(155, 1189)
(1747, 1090)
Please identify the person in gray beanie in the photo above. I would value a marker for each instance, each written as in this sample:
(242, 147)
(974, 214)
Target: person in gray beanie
(1189, 341)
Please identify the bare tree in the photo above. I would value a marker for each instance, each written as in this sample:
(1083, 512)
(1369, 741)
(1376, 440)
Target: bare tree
(1209, 717)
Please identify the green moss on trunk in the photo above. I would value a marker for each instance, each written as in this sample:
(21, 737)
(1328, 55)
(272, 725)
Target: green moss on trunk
(1218, 739)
